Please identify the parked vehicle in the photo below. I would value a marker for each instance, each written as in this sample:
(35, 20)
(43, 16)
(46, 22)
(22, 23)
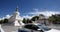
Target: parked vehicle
(44, 28)
(33, 27)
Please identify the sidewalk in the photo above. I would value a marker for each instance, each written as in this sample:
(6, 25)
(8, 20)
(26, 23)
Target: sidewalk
(54, 26)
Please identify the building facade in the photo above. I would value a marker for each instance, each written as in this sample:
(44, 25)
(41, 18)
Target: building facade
(42, 20)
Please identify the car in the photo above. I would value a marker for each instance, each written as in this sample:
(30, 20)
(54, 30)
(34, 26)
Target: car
(33, 27)
(47, 29)
(44, 28)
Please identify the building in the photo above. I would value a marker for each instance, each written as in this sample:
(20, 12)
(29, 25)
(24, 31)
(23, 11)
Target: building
(15, 18)
(42, 20)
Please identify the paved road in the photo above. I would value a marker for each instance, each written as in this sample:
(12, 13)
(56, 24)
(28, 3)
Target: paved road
(15, 29)
(9, 28)
(55, 26)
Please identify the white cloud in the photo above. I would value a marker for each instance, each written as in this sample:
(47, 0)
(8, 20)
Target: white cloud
(7, 16)
(2, 18)
(27, 17)
(37, 12)
(21, 18)
(46, 13)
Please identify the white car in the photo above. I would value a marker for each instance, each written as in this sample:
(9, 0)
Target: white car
(46, 29)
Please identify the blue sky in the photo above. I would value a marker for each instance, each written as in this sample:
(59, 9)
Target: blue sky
(7, 7)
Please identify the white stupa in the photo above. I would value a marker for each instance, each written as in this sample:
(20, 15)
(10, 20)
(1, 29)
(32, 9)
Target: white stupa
(15, 19)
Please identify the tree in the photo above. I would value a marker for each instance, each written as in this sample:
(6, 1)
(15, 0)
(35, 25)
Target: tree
(1, 21)
(24, 21)
(54, 19)
(29, 21)
(5, 21)
(34, 18)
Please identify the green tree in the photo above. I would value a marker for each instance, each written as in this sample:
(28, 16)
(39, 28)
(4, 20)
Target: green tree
(54, 19)
(29, 21)
(5, 21)
(1, 21)
(24, 21)
(34, 18)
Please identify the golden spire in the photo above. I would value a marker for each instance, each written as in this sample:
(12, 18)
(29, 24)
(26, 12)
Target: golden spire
(17, 8)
